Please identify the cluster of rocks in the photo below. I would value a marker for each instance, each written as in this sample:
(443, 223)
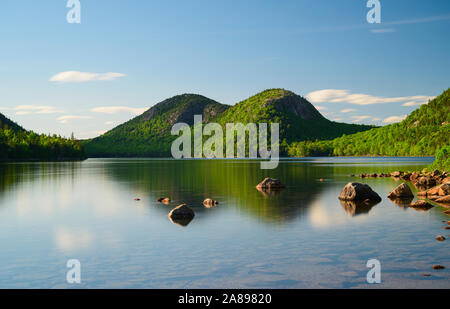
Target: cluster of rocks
(357, 197)
(420, 179)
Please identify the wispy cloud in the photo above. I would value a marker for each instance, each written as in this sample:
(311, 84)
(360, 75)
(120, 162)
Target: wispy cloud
(65, 119)
(394, 119)
(119, 109)
(360, 118)
(344, 96)
(35, 109)
(82, 77)
(348, 110)
(386, 30)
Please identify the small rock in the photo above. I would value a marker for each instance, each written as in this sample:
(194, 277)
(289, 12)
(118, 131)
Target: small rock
(435, 173)
(444, 189)
(137, 199)
(421, 205)
(354, 191)
(438, 267)
(448, 222)
(402, 191)
(182, 211)
(210, 202)
(164, 200)
(396, 174)
(447, 228)
(269, 184)
(440, 238)
(427, 275)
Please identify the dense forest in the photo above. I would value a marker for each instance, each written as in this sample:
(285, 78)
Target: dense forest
(425, 132)
(19, 144)
(149, 133)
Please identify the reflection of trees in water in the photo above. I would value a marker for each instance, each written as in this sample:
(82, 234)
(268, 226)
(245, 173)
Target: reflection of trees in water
(191, 181)
(16, 174)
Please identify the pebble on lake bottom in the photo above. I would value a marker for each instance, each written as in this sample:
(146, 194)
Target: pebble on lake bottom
(427, 275)
(438, 267)
(440, 238)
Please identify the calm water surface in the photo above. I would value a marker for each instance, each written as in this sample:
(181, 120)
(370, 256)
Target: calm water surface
(301, 237)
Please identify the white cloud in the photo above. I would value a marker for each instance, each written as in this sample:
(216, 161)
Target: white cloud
(34, 109)
(338, 119)
(344, 96)
(394, 119)
(82, 77)
(119, 109)
(65, 119)
(360, 118)
(348, 110)
(376, 119)
(109, 122)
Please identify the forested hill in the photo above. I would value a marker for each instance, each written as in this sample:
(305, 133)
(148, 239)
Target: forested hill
(299, 120)
(422, 133)
(149, 133)
(5, 123)
(19, 144)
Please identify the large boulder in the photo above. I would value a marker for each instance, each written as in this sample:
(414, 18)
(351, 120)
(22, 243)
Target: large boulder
(354, 191)
(402, 191)
(270, 184)
(181, 212)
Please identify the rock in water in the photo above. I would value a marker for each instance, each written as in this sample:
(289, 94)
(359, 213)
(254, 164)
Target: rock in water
(210, 202)
(181, 212)
(421, 205)
(440, 238)
(270, 184)
(438, 267)
(164, 200)
(354, 191)
(402, 191)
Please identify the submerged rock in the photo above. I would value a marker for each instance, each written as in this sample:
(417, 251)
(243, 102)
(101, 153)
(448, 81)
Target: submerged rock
(438, 267)
(396, 174)
(402, 191)
(354, 191)
(270, 184)
(210, 203)
(164, 200)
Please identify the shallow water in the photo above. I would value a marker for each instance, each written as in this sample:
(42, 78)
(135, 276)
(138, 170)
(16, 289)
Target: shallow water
(301, 237)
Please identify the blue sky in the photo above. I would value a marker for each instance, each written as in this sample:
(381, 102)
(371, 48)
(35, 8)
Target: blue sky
(134, 54)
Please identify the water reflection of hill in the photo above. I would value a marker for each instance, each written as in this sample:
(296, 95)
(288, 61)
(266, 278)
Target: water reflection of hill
(231, 181)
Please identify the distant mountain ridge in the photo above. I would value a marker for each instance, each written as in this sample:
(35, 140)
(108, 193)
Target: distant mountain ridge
(149, 133)
(425, 131)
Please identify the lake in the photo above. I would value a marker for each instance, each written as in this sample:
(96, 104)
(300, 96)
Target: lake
(301, 237)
